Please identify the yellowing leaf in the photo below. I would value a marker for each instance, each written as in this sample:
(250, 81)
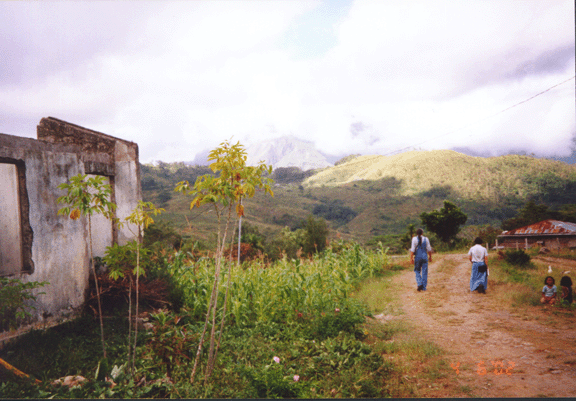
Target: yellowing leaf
(240, 210)
(75, 215)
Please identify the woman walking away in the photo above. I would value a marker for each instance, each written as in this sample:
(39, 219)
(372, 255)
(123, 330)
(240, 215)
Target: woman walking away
(478, 255)
(420, 253)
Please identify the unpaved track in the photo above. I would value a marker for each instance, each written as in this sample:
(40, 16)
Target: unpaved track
(474, 330)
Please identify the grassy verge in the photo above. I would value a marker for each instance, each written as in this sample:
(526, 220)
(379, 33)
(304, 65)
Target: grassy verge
(521, 286)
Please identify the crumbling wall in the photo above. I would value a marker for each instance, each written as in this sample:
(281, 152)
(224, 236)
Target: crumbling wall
(57, 245)
(105, 155)
(52, 247)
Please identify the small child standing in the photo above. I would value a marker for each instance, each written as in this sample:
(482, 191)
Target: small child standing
(566, 285)
(549, 291)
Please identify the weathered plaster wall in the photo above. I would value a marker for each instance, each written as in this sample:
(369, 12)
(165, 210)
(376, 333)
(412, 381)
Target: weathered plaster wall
(58, 244)
(55, 248)
(10, 240)
(127, 195)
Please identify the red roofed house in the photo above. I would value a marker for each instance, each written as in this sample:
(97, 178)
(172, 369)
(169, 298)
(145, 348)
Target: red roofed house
(552, 234)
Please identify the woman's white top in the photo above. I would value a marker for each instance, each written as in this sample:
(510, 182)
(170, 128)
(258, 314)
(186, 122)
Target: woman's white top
(478, 253)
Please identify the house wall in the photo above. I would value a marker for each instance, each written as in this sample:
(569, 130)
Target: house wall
(550, 242)
(55, 248)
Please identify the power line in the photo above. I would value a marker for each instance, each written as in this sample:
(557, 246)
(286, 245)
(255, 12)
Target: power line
(483, 119)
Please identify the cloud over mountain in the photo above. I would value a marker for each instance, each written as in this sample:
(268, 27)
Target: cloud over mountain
(287, 151)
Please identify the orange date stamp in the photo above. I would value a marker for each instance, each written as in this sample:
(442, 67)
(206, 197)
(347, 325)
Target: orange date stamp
(481, 370)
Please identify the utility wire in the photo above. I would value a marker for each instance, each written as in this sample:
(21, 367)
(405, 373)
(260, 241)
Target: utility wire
(481, 120)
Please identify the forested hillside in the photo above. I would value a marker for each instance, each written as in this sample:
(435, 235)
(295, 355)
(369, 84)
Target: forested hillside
(368, 197)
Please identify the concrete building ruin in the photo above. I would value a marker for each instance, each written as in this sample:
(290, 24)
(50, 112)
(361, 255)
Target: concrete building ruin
(37, 244)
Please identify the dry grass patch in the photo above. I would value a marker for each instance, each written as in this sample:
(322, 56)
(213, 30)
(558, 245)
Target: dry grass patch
(376, 294)
(479, 335)
(512, 294)
(447, 265)
(420, 369)
(446, 313)
(455, 322)
(434, 302)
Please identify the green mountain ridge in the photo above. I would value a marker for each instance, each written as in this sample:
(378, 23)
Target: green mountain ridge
(368, 196)
(467, 176)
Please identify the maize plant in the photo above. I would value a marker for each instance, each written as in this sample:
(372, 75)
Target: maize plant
(285, 291)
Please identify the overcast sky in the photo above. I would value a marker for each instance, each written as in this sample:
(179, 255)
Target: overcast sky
(366, 76)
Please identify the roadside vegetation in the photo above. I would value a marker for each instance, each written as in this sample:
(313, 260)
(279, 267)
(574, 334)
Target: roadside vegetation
(294, 331)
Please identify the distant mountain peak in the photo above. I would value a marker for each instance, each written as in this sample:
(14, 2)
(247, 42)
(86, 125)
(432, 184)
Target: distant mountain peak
(287, 151)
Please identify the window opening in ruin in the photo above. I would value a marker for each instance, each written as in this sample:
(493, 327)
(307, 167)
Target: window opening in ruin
(102, 228)
(15, 230)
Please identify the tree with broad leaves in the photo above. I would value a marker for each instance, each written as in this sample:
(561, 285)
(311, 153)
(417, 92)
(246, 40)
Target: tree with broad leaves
(88, 196)
(446, 222)
(224, 191)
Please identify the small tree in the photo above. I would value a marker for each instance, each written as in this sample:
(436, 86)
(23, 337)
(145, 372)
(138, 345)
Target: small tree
(446, 222)
(316, 235)
(224, 192)
(141, 217)
(88, 196)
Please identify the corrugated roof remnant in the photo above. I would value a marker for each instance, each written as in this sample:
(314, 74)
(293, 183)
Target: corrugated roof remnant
(546, 227)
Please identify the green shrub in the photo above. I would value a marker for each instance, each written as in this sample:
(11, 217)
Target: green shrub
(517, 258)
(121, 260)
(270, 382)
(14, 295)
(331, 324)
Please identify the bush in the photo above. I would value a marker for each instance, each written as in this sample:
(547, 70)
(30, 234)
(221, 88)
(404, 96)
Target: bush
(517, 258)
(270, 382)
(14, 295)
(331, 324)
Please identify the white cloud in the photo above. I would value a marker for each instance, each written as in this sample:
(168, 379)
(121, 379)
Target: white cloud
(178, 77)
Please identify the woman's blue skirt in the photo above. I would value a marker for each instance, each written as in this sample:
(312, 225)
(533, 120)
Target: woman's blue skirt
(478, 278)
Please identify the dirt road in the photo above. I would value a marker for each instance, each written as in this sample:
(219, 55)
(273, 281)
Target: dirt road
(494, 350)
